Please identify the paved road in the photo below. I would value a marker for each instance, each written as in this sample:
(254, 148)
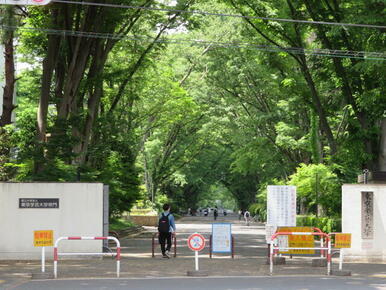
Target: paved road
(237, 283)
(137, 264)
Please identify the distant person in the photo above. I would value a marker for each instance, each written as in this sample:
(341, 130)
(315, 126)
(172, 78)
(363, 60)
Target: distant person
(206, 212)
(247, 217)
(215, 213)
(166, 226)
(225, 212)
(189, 211)
(241, 214)
(200, 210)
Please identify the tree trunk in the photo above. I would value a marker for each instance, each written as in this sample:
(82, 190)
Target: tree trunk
(9, 88)
(48, 69)
(382, 147)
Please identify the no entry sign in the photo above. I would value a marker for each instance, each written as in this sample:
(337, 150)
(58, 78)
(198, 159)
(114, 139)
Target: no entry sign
(196, 242)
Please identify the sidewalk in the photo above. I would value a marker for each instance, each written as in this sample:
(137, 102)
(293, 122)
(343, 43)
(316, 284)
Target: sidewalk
(250, 258)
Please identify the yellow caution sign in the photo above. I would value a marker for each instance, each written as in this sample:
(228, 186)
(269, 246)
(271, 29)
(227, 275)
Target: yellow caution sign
(44, 238)
(299, 241)
(342, 240)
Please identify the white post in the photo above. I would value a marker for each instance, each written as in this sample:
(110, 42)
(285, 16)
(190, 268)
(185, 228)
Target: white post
(329, 258)
(118, 268)
(340, 259)
(271, 258)
(43, 259)
(55, 269)
(321, 245)
(196, 258)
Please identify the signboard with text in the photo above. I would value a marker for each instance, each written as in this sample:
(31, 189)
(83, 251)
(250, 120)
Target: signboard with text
(297, 241)
(44, 238)
(281, 208)
(342, 240)
(38, 202)
(281, 205)
(222, 238)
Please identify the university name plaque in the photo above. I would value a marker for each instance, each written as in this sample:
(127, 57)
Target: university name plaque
(38, 202)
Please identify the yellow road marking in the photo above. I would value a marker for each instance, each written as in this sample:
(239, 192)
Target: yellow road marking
(378, 275)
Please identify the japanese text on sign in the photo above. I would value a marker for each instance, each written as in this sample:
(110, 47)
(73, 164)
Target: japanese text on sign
(44, 238)
(221, 238)
(38, 202)
(298, 241)
(281, 205)
(342, 240)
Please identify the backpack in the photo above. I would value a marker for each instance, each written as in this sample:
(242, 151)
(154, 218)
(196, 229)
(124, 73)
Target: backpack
(163, 223)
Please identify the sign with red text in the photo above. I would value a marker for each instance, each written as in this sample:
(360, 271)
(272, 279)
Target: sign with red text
(44, 238)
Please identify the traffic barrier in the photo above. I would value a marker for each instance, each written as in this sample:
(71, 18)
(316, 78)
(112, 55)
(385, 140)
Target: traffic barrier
(57, 254)
(232, 251)
(322, 253)
(341, 252)
(274, 249)
(174, 243)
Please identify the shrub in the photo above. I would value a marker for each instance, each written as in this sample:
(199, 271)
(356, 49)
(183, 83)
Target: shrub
(326, 224)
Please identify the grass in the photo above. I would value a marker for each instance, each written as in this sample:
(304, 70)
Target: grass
(120, 224)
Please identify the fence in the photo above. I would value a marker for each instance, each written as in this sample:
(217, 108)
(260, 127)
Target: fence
(57, 254)
(274, 249)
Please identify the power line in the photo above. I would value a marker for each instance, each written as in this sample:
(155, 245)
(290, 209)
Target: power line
(222, 14)
(366, 55)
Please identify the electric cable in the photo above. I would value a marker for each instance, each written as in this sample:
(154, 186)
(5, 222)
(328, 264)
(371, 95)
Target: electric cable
(205, 13)
(366, 55)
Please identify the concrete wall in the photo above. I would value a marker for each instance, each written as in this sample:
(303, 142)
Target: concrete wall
(373, 249)
(80, 213)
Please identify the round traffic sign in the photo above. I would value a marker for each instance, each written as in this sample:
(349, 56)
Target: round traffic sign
(196, 242)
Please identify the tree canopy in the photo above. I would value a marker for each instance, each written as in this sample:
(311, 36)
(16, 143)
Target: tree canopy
(196, 100)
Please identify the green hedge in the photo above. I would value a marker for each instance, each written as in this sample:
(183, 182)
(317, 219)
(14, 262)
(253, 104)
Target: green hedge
(326, 224)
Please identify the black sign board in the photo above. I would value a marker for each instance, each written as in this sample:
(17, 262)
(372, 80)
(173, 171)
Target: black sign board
(38, 202)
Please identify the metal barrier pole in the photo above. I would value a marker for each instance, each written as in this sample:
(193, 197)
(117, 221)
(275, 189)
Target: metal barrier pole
(271, 258)
(152, 245)
(175, 244)
(233, 247)
(329, 258)
(210, 246)
(341, 259)
(56, 254)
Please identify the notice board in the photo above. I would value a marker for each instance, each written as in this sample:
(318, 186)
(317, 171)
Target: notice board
(222, 238)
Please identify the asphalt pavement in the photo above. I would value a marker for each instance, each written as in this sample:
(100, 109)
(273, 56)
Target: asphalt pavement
(248, 269)
(219, 283)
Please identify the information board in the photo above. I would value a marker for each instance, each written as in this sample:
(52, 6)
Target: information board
(222, 238)
(297, 241)
(342, 240)
(281, 205)
(44, 238)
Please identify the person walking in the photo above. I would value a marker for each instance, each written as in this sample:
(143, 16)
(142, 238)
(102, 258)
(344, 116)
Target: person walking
(166, 227)
(247, 216)
(215, 213)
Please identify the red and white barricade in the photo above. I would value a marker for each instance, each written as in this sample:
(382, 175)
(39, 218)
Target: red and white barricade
(274, 248)
(57, 254)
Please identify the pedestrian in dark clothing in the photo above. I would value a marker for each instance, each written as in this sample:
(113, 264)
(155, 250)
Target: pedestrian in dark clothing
(166, 227)
(215, 213)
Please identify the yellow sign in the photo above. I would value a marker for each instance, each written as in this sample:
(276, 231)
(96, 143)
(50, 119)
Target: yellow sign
(43, 238)
(342, 240)
(299, 241)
